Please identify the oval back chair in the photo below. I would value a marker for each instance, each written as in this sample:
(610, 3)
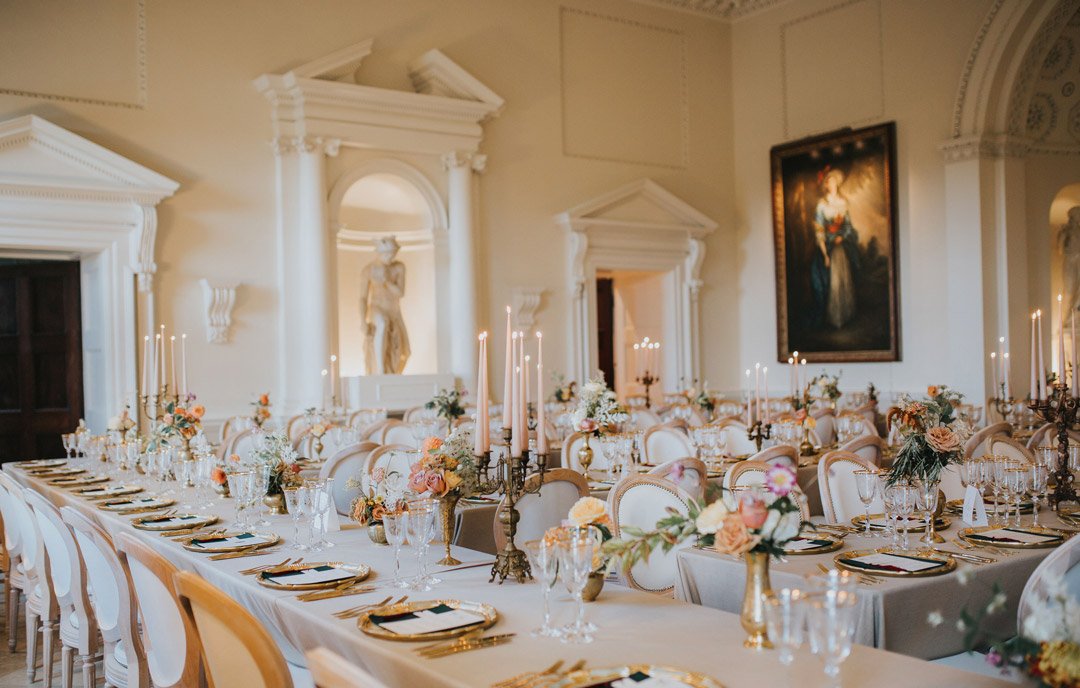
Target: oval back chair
(839, 493)
(560, 490)
(689, 474)
(640, 502)
(665, 443)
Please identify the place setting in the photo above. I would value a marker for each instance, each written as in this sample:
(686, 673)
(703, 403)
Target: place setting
(902, 524)
(173, 523)
(1014, 537)
(819, 543)
(230, 541)
(427, 620)
(632, 676)
(56, 472)
(136, 505)
(311, 575)
(896, 563)
(78, 480)
(37, 464)
(94, 492)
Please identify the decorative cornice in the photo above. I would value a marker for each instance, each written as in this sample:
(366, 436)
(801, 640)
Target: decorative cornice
(477, 161)
(723, 10)
(284, 145)
(969, 66)
(972, 147)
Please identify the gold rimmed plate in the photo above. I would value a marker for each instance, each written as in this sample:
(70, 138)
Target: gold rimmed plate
(636, 673)
(109, 492)
(895, 563)
(78, 480)
(41, 463)
(56, 472)
(312, 576)
(877, 522)
(230, 541)
(480, 499)
(813, 544)
(956, 506)
(445, 618)
(1024, 537)
(136, 505)
(173, 522)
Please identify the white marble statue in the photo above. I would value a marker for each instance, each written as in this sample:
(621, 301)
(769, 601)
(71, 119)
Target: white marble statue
(382, 284)
(1069, 245)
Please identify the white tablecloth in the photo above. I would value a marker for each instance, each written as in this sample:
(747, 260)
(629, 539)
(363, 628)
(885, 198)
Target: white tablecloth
(634, 626)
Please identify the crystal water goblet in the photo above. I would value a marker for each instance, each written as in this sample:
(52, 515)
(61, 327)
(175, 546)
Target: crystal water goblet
(926, 499)
(575, 564)
(998, 464)
(239, 482)
(294, 502)
(831, 622)
(866, 484)
(1039, 481)
(395, 526)
(1017, 480)
(421, 523)
(888, 500)
(68, 438)
(262, 484)
(544, 558)
(785, 616)
(904, 502)
(324, 495)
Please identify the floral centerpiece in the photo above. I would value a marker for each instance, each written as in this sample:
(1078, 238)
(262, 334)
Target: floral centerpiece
(752, 523)
(121, 423)
(931, 434)
(703, 399)
(597, 410)
(828, 386)
(447, 404)
(590, 513)
(178, 422)
(276, 451)
(261, 412)
(447, 471)
(565, 392)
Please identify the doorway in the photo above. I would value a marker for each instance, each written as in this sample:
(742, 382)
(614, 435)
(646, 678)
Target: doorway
(41, 378)
(632, 307)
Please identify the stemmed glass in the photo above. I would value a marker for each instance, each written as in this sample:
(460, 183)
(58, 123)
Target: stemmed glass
(576, 563)
(998, 465)
(866, 483)
(609, 444)
(421, 523)
(904, 503)
(68, 439)
(262, 484)
(831, 617)
(785, 615)
(544, 557)
(241, 483)
(1039, 479)
(926, 499)
(395, 525)
(1016, 479)
(295, 498)
(323, 500)
(888, 499)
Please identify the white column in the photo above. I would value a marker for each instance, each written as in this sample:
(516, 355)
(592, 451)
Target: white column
(462, 248)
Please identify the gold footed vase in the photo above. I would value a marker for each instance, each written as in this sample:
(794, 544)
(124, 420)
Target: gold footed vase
(275, 501)
(585, 456)
(377, 533)
(806, 447)
(447, 504)
(752, 616)
(593, 586)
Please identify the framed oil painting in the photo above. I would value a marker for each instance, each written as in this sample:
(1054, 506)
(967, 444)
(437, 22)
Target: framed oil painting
(834, 216)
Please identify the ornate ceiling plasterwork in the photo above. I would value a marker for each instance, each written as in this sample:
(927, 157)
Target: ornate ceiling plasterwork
(726, 10)
(1053, 114)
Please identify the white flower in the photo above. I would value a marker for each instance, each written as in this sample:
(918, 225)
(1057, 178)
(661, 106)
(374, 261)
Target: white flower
(935, 619)
(788, 527)
(960, 625)
(997, 603)
(964, 575)
(711, 518)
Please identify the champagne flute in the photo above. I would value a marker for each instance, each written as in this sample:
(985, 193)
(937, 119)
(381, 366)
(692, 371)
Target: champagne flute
(544, 557)
(866, 483)
(1039, 481)
(926, 499)
(294, 502)
(1017, 478)
(576, 563)
(421, 523)
(904, 501)
(831, 617)
(238, 483)
(68, 439)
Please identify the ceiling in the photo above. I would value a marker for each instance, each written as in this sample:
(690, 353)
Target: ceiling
(726, 10)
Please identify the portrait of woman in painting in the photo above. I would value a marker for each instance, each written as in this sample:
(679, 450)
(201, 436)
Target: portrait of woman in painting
(835, 238)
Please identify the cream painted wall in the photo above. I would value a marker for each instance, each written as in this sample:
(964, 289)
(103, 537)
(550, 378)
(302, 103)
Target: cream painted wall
(205, 126)
(923, 48)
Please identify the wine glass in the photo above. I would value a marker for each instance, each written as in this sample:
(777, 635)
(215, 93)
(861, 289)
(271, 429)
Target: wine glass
(904, 503)
(394, 525)
(831, 617)
(785, 615)
(998, 465)
(239, 483)
(262, 484)
(1016, 479)
(866, 483)
(544, 557)
(324, 495)
(1040, 479)
(576, 563)
(68, 438)
(926, 499)
(294, 502)
(888, 500)
(421, 523)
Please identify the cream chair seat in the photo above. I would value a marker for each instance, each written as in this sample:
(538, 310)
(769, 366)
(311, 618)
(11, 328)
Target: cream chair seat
(640, 502)
(559, 490)
(349, 462)
(826, 425)
(331, 670)
(689, 474)
(664, 443)
(736, 442)
(839, 493)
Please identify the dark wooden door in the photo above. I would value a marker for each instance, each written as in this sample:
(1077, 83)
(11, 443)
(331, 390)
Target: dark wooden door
(605, 328)
(41, 392)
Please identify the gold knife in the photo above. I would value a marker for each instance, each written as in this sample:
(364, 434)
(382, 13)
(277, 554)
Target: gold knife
(489, 641)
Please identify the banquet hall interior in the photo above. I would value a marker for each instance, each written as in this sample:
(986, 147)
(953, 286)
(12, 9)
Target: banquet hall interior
(539, 343)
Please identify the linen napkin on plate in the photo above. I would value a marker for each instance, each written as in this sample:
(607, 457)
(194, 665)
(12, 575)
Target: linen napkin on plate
(312, 576)
(241, 539)
(1016, 535)
(438, 618)
(801, 544)
(893, 562)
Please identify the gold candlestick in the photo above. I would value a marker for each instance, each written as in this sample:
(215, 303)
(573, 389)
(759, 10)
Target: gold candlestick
(1061, 410)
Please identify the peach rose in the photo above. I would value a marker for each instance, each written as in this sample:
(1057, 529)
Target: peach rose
(733, 537)
(431, 444)
(198, 410)
(587, 510)
(588, 425)
(264, 399)
(217, 475)
(358, 511)
(435, 484)
(418, 481)
(932, 391)
(753, 512)
(377, 513)
(943, 440)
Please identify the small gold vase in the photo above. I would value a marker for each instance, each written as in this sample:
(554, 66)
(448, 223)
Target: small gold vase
(377, 533)
(806, 448)
(593, 586)
(752, 616)
(585, 456)
(447, 504)
(275, 501)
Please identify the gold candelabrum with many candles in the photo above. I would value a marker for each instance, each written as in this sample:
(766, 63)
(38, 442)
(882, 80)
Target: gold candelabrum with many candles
(507, 477)
(1004, 405)
(155, 406)
(647, 380)
(1061, 409)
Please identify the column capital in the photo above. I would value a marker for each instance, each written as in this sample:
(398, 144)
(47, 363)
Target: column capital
(476, 161)
(283, 145)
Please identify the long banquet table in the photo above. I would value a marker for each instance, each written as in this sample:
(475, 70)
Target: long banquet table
(633, 626)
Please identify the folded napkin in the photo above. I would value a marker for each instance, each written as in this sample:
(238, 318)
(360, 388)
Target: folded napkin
(99, 491)
(223, 541)
(170, 520)
(897, 563)
(802, 544)
(640, 679)
(311, 576)
(902, 523)
(1016, 535)
(438, 618)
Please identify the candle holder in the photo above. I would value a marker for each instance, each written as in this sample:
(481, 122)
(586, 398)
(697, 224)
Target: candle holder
(647, 380)
(507, 477)
(1061, 410)
(759, 432)
(1004, 406)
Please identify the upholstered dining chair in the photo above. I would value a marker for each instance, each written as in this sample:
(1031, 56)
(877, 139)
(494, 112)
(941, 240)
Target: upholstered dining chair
(746, 473)
(170, 642)
(688, 473)
(391, 458)
(570, 447)
(331, 670)
(1046, 436)
(296, 425)
(78, 624)
(779, 455)
(396, 432)
(978, 444)
(236, 650)
(826, 425)
(1007, 446)
(870, 447)
(348, 462)
(839, 493)
(240, 443)
(559, 489)
(665, 443)
(41, 610)
(644, 418)
(869, 412)
(372, 431)
(735, 440)
(115, 607)
(641, 501)
(15, 581)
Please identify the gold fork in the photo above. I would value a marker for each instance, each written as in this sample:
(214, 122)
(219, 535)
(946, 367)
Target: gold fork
(527, 676)
(256, 569)
(862, 578)
(359, 609)
(548, 679)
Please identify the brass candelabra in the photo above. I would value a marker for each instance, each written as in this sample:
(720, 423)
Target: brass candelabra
(1060, 409)
(759, 432)
(507, 477)
(647, 380)
(1004, 406)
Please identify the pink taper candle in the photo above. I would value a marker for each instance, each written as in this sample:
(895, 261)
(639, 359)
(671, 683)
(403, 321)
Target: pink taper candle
(1062, 378)
(478, 430)
(514, 402)
(765, 385)
(1034, 387)
(523, 406)
(994, 374)
(541, 414)
(1042, 366)
(508, 375)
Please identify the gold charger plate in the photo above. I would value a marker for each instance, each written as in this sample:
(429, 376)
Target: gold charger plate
(597, 677)
(1062, 536)
(835, 543)
(940, 523)
(359, 571)
(55, 472)
(956, 506)
(131, 506)
(267, 540)
(368, 626)
(113, 492)
(41, 463)
(78, 480)
(949, 564)
(165, 524)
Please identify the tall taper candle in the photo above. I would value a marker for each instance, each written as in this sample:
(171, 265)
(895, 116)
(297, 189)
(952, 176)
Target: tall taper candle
(528, 374)
(508, 376)
(541, 412)
(1034, 386)
(1061, 343)
(325, 388)
(747, 397)
(1072, 342)
(183, 362)
(145, 365)
(478, 431)
(162, 379)
(486, 406)
(523, 376)
(172, 364)
(803, 381)
(757, 393)
(994, 374)
(765, 384)
(514, 402)
(1042, 366)
(333, 377)
(1005, 376)
(155, 382)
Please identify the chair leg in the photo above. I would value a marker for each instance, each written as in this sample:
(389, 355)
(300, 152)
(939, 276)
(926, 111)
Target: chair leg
(48, 650)
(31, 644)
(13, 595)
(89, 671)
(67, 666)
